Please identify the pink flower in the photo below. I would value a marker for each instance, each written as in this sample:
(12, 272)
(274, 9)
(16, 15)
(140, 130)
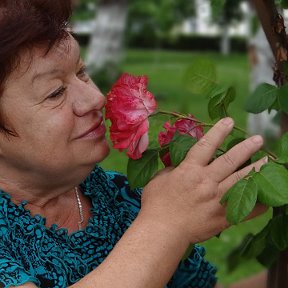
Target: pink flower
(129, 105)
(183, 126)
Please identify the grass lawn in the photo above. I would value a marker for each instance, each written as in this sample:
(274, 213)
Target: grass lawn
(165, 71)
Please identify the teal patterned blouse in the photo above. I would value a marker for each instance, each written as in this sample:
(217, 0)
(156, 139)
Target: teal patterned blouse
(50, 257)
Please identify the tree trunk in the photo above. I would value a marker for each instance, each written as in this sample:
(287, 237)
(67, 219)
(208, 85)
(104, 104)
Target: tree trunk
(225, 40)
(106, 42)
(267, 13)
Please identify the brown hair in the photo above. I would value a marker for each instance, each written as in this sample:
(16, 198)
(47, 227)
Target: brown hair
(25, 24)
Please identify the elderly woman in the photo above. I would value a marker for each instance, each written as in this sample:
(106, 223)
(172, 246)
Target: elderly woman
(63, 220)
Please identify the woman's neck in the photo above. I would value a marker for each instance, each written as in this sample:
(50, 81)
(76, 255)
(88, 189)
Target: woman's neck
(58, 207)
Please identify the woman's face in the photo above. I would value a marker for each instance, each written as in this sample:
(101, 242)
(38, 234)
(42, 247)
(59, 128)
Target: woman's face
(56, 111)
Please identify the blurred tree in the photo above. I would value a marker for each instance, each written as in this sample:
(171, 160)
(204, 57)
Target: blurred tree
(225, 13)
(106, 42)
(158, 17)
(84, 9)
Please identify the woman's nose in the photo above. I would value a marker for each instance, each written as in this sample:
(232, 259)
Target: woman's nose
(87, 98)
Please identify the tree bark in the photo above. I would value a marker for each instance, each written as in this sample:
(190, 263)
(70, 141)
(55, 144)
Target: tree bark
(106, 42)
(268, 14)
(225, 40)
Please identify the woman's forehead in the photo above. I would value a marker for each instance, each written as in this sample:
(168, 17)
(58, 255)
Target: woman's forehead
(36, 60)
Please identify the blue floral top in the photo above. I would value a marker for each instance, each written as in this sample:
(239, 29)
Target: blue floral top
(50, 257)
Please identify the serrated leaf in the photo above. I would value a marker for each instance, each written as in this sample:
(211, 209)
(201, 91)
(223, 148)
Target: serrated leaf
(241, 200)
(179, 147)
(140, 171)
(200, 77)
(279, 232)
(272, 180)
(262, 98)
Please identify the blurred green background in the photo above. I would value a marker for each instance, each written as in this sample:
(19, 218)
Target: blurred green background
(153, 44)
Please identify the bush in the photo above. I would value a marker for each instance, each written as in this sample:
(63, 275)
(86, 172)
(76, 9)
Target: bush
(185, 42)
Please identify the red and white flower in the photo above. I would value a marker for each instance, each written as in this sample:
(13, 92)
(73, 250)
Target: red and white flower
(128, 107)
(183, 126)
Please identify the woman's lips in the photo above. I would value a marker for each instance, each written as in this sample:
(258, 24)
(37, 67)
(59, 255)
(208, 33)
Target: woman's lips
(95, 132)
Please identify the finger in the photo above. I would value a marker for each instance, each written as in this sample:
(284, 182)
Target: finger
(227, 163)
(203, 151)
(225, 185)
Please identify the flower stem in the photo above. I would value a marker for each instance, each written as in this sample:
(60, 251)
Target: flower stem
(183, 116)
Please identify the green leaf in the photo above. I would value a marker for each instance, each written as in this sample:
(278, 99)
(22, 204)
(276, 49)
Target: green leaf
(262, 98)
(284, 5)
(272, 181)
(140, 171)
(218, 104)
(258, 155)
(179, 147)
(216, 90)
(235, 256)
(251, 247)
(274, 106)
(283, 149)
(200, 77)
(241, 200)
(279, 232)
(282, 98)
(257, 244)
(268, 256)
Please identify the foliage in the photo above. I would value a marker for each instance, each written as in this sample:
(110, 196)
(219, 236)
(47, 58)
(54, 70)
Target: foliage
(225, 12)
(166, 84)
(84, 10)
(106, 76)
(268, 186)
(158, 17)
(185, 42)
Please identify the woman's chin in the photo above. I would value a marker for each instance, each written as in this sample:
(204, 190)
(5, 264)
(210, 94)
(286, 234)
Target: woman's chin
(102, 152)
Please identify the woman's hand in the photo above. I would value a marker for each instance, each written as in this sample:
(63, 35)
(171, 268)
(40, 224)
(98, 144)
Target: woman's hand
(186, 198)
(180, 205)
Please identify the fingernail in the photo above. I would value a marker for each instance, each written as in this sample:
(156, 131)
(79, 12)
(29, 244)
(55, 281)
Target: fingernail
(227, 121)
(257, 139)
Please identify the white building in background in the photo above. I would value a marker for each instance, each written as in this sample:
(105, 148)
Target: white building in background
(202, 24)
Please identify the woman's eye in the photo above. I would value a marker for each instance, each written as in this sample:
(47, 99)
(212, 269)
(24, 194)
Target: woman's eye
(82, 74)
(58, 93)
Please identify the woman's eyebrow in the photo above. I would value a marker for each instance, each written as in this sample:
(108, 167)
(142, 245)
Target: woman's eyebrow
(43, 74)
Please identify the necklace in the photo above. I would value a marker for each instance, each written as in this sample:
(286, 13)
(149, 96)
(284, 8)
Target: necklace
(80, 207)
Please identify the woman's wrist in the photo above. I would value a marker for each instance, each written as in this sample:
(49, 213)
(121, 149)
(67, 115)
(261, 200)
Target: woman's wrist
(168, 226)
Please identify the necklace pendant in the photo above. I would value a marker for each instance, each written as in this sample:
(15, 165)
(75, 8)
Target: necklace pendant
(80, 208)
